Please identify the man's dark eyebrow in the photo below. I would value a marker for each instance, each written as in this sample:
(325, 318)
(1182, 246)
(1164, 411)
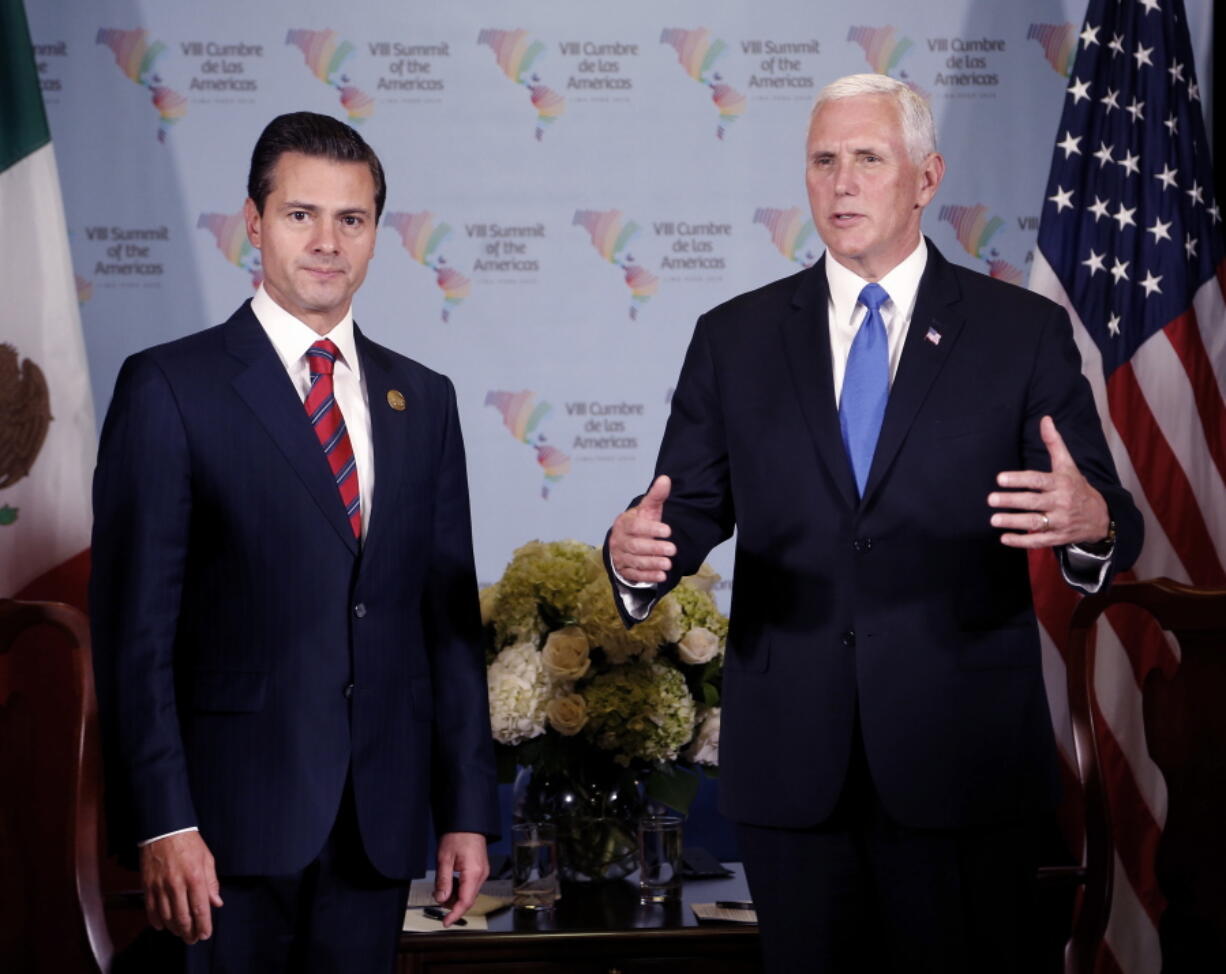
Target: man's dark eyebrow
(314, 208)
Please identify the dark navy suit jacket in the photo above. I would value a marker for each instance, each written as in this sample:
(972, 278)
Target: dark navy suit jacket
(903, 603)
(249, 654)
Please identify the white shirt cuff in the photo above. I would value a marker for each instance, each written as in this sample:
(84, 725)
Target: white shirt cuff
(637, 597)
(167, 835)
(1084, 570)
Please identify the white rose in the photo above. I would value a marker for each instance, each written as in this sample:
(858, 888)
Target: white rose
(518, 687)
(704, 749)
(567, 714)
(704, 579)
(699, 645)
(566, 654)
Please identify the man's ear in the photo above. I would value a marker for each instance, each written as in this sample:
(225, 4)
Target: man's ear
(931, 173)
(251, 216)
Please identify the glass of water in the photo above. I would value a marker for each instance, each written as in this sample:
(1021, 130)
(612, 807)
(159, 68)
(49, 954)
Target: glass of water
(659, 858)
(534, 865)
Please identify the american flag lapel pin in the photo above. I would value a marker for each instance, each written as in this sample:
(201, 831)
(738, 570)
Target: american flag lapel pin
(933, 336)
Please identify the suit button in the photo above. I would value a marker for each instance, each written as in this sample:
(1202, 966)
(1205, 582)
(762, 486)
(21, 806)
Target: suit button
(359, 610)
(849, 638)
(348, 691)
(863, 544)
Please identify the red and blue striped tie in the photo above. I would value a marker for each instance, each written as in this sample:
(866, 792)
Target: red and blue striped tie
(325, 415)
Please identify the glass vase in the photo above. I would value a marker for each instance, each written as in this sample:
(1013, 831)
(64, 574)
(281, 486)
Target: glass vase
(595, 812)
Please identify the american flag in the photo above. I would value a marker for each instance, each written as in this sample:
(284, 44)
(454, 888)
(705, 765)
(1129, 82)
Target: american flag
(1130, 243)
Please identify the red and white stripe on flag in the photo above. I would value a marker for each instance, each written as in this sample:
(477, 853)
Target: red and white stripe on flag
(1130, 243)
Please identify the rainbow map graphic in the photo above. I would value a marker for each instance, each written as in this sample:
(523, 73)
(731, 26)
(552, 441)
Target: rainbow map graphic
(883, 47)
(790, 231)
(972, 226)
(1002, 270)
(1059, 43)
(523, 418)
(516, 54)
(697, 54)
(421, 238)
(610, 236)
(326, 53)
(136, 58)
(230, 232)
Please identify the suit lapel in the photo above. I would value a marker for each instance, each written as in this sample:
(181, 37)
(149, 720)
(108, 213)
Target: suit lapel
(924, 355)
(398, 436)
(266, 388)
(805, 331)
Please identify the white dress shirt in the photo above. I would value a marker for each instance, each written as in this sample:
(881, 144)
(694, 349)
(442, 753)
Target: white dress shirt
(845, 314)
(291, 338)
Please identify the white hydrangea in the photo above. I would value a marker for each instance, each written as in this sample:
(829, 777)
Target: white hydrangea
(519, 689)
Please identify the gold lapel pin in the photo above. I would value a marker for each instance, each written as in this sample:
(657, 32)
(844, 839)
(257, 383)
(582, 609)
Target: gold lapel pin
(395, 399)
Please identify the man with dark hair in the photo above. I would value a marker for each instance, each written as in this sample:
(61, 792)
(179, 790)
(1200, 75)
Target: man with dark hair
(318, 136)
(888, 434)
(285, 617)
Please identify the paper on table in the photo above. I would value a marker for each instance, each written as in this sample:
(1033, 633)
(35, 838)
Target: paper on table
(417, 922)
(710, 913)
(494, 895)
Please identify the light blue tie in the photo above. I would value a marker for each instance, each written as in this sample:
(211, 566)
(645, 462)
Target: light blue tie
(866, 386)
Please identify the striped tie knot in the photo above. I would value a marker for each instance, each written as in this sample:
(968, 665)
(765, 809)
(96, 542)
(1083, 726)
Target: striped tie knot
(321, 358)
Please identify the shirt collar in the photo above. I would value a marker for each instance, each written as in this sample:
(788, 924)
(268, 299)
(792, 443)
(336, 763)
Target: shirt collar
(291, 337)
(901, 283)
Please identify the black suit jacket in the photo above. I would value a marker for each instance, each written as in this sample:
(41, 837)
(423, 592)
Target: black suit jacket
(903, 603)
(232, 608)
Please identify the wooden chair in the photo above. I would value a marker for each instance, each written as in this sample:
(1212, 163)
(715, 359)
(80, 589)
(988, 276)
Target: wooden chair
(51, 910)
(1184, 716)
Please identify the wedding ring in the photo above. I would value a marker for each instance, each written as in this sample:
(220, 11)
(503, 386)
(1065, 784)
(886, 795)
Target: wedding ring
(1046, 523)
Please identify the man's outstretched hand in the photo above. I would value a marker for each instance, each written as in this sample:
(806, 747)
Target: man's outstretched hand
(637, 544)
(1058, 508)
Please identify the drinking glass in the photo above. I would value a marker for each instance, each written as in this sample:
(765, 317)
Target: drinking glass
(534, 865)
(659, 858)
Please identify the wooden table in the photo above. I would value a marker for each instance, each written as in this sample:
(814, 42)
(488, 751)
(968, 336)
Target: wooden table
(596, 930)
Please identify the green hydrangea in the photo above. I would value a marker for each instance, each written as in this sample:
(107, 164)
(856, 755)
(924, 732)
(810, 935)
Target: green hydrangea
(640, 711)
(698, 609)
(597, 614)
(550, 573)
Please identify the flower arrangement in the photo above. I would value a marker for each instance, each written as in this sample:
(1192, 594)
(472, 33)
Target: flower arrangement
(571, 688)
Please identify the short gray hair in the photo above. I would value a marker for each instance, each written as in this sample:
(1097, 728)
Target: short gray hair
(919, 131)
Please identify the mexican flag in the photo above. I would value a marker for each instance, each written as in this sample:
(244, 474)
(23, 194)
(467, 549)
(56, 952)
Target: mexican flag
(47, 435)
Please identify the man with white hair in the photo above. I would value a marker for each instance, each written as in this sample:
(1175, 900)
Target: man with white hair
(889, 434)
